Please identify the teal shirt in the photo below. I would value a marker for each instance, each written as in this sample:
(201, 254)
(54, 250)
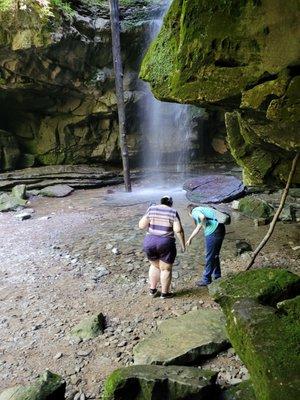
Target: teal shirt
(211, 223)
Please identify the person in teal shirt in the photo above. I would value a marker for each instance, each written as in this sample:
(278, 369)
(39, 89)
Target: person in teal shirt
(204, 217)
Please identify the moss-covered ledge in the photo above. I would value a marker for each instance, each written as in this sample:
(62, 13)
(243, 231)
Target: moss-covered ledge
(262, 309)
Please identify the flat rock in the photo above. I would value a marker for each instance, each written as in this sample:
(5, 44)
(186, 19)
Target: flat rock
(151, 382)
(56, 191)
(184, 340)
(213, 189)
(49, 386)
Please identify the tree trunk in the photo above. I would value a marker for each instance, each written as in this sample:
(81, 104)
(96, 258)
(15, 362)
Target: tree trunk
(116, 47)
(276, 216)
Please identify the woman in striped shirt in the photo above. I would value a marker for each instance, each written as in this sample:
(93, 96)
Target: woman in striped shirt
(162, 222)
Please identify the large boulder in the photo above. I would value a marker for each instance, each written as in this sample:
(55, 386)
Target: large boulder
(262, 309)
(184, 340)
(149, 382)
(48, 387)
(242, 57)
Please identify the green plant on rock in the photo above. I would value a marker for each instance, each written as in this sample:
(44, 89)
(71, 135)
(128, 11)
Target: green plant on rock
(64, 7)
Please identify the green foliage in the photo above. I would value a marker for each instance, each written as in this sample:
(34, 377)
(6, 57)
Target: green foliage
(5, 5)
(64, 7)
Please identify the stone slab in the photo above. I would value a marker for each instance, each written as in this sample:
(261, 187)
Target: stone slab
(184, 340)
(151, 382)
(213, 189)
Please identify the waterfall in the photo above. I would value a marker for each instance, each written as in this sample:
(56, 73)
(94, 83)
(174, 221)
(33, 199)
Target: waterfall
(168, 129)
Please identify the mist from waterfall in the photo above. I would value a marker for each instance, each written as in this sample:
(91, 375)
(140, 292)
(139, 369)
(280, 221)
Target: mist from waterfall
(168, 129)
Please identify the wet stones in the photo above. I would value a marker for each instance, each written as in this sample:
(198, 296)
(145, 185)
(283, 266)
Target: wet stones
(151, 382)
(184, 340)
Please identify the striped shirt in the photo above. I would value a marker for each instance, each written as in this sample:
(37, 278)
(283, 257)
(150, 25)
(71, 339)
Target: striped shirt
(161, 220)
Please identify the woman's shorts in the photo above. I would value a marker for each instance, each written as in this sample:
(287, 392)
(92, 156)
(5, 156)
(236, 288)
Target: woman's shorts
(160, 248)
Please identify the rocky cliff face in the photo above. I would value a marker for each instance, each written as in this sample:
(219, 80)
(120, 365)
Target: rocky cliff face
(57, 100)
(241, 56)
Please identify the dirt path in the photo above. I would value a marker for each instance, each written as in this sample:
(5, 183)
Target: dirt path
(50, 269)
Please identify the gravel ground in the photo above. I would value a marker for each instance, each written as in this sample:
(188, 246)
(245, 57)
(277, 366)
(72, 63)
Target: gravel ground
(53, 267)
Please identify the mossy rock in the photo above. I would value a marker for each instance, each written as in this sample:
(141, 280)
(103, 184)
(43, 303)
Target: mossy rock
(9, 202)
(242, 391)
(265, 334)
(19, 192)
(254, 207)
(149, 382)
(48, 387)
(266, 285)
(267, 342)
(89, 328)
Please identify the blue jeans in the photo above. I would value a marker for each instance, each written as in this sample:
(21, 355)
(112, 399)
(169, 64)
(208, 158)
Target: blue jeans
(213, 244)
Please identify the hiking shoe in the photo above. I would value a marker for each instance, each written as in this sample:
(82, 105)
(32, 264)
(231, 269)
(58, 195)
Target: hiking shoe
(153, 292)
(201, 283)
(166, 295)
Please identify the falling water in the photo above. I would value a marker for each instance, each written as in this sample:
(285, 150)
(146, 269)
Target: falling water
(168, 129)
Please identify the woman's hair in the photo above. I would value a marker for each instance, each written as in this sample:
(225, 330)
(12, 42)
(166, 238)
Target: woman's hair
(190, 207)
(167, 201)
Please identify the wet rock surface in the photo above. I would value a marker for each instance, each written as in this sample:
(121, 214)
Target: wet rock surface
(213, 189)
(58, 267)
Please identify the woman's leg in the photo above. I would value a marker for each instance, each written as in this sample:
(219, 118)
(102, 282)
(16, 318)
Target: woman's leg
(218, 244)
(154, 274)
(165, 276)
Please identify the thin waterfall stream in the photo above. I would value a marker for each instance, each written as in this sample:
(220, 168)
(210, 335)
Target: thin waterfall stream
(169, 130)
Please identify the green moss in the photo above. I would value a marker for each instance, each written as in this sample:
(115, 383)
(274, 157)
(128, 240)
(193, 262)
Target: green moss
(111, 383)
(266, 338)
(266, 285)
(272, 359)
(63, 6)
(255, 208)
(6, 5)
(241, 391)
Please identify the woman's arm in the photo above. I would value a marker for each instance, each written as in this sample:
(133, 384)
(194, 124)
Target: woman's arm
(144, 222)
(177, 227)
(197, 229)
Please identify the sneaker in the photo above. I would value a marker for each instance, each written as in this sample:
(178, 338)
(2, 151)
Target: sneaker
(201, 283)
(166, 295)
(153, 292)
